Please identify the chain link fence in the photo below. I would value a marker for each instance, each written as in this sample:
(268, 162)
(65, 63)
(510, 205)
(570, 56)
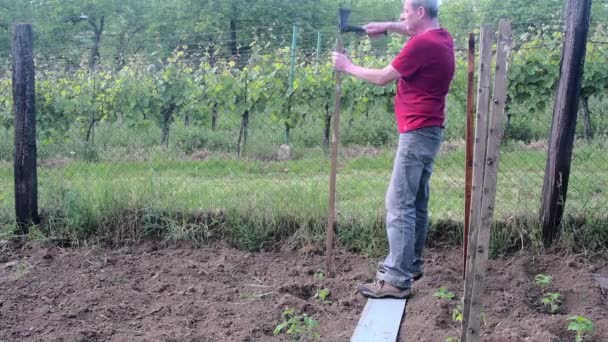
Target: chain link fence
(103, 165)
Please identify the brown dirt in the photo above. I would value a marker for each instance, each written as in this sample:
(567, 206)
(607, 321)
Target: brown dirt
(156, 292)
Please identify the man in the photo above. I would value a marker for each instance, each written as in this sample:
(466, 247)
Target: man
(424, 69)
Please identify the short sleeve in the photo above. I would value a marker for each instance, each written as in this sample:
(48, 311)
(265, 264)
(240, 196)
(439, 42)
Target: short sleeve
(408, 60)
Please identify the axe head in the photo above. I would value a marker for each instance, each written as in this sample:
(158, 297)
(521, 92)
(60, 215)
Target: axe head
(343, 14)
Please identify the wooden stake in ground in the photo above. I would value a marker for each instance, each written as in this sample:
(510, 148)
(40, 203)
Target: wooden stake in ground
(557, 172)
(469, 149)
(331, 217)
(24, 98)
(483, 108)
(495, 130)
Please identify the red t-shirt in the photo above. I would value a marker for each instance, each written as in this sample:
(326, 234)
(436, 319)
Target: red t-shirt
(426, 64)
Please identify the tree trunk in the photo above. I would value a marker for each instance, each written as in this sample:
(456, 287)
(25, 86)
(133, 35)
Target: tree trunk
(167, 118)
(97, 32)
(243, 134)
(91, 129)
(214, 117)
(586, 118)
(287, 131)
(233, 40)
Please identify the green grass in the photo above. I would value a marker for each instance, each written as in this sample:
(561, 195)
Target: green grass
(255, 204)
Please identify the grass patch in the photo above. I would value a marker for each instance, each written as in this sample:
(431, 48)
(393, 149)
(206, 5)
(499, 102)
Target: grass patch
(256, 204)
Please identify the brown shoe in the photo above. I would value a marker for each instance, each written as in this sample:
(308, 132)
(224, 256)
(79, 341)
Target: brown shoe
(381, 289)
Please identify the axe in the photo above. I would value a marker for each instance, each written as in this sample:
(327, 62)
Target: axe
(343, 14)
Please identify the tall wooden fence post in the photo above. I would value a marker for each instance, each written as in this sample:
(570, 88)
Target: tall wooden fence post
(483, 109)
(469, 148)
(561, 141)
(24, 158)
(471, 332)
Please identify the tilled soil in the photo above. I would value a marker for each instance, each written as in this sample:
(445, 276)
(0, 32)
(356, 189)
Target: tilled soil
(161, 292)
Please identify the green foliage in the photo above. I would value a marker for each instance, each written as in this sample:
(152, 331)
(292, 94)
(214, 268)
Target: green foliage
(534, 70)
(582, 326)
(319, 275)
(552, 301)
(543, 280)
(443, 293)
(153, 29)
(297, 326)
(457, 312)
(201, 90)
(323, 295)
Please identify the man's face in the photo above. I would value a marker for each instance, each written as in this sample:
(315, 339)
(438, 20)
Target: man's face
(411, 17)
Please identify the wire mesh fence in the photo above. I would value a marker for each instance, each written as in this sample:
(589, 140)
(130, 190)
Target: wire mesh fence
(202, 138)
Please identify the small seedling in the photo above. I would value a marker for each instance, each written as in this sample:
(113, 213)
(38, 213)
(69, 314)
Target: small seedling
(452, 339)
(543, 280)
(323, 295)
(443, 293)
(583, 327)
(457, 313)
(552, 300)
(319, 275)
(298, 326)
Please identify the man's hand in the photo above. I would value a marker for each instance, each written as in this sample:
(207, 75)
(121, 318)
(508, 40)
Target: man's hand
(341, 62)
(375, 29)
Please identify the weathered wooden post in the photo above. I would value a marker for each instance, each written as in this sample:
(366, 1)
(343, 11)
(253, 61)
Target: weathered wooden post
(561, 140)
(484, 197)
(24, 158)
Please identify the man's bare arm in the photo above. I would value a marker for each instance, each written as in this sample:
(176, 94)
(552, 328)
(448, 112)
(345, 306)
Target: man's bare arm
(379, 77)
(378, 28)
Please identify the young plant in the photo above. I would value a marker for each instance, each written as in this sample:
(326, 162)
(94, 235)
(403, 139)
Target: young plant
(457, 313)
(319, 275)
(543, 280)
(443, 293)
(582, 326)
(298, 326)
(323, 295)
(552, 301)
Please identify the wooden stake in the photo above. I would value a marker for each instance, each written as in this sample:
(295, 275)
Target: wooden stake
(483, 108)
(469, 147)
(331, 217)
(494, 139)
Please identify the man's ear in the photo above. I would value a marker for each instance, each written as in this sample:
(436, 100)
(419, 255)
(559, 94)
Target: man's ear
(421, 12)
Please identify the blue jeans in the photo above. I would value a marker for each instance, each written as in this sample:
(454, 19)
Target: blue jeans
(407, 202)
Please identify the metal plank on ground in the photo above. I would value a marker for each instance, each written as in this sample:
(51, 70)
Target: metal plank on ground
(380, 321)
